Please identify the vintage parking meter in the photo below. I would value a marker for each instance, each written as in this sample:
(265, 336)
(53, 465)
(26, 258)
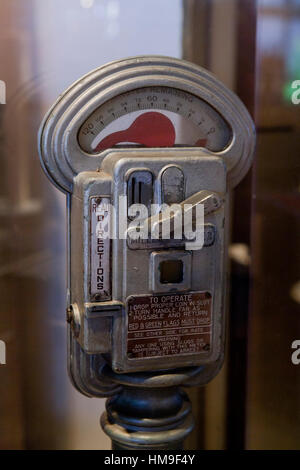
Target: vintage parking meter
(144, 149)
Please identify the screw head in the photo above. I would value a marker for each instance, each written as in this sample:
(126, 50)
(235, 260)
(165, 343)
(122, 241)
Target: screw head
(73, 318)
(69, 314)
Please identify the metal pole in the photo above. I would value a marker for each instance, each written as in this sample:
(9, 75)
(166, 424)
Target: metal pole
(150, 411)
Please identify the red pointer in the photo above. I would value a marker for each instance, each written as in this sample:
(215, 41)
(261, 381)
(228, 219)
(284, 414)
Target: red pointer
(200, 143)
(151, 129)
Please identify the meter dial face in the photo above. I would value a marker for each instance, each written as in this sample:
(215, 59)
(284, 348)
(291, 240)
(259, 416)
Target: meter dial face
(154, 117)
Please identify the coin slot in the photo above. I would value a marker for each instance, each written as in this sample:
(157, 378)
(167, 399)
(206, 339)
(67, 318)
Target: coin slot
(140, 188)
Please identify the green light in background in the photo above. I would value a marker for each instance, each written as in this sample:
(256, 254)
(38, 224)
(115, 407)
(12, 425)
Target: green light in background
(292, 61)
(288, 91)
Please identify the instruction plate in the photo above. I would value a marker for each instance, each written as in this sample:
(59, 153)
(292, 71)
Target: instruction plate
(169, 324)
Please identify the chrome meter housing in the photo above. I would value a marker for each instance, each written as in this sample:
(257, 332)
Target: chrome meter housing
(87, 152)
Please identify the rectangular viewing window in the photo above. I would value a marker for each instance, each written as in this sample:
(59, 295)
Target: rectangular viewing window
(171, 271)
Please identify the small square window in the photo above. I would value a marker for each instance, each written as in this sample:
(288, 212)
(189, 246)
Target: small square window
(171, 271)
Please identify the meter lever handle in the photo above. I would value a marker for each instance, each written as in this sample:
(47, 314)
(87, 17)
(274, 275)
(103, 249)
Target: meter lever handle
(212, 201)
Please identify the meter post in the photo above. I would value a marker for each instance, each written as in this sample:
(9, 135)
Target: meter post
(146, 314)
